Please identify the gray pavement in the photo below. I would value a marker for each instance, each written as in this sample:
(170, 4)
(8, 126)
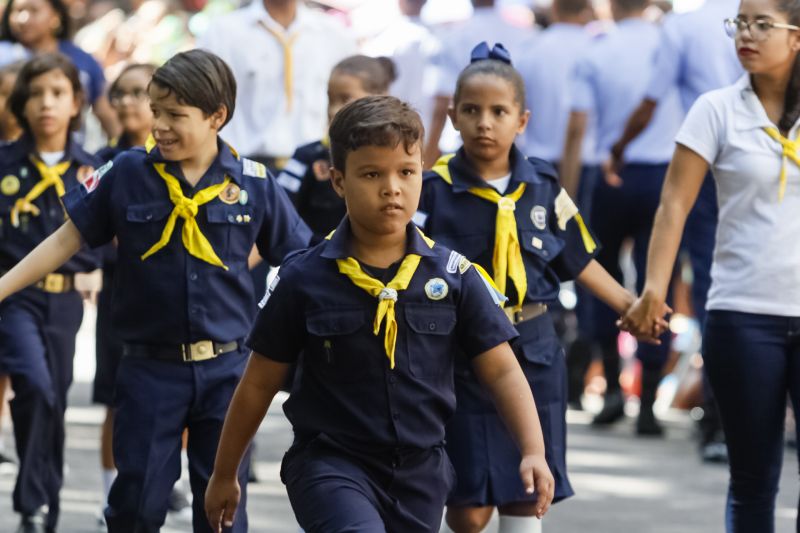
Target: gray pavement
(641, 485)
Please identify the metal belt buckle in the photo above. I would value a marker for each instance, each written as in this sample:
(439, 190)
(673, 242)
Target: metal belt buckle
(54, 283)
(198, 351)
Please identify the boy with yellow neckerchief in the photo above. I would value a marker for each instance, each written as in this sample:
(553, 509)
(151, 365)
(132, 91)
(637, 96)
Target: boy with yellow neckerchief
(377, 311)
(186, 211)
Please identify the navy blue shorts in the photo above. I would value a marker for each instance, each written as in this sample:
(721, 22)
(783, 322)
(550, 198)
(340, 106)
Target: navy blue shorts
(108, 346)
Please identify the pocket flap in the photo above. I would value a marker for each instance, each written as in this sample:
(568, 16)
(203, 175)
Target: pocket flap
(543, 244)
(537, 341)
(328, 322)
(151, 212)
(228, 214)
(430, 319)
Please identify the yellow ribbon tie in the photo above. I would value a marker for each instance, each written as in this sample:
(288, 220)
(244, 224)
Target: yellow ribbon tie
(286, 42)
(193, 239)
(507, 258)
(50, 177)
(790, 149)
(386, 295)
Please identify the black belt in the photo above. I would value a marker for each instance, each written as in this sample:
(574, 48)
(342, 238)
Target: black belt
(53, 283)
(187, 353)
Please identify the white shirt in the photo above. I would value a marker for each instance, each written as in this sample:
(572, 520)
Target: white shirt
(500, 184)
(263, 123)
(756, 265)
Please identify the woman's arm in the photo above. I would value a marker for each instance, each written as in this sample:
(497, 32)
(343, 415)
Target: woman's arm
(685, 176)
(51, 253)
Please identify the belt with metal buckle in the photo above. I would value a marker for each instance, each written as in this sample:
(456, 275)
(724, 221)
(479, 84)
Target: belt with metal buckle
(53, 283)
(527, 312)
(187, 353)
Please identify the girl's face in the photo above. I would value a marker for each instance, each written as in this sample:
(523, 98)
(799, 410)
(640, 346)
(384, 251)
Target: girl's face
(343, 89)
(9, 128)
(32, 21)
(488, 117)
(51, 105)
(763, 49)
(132, 102)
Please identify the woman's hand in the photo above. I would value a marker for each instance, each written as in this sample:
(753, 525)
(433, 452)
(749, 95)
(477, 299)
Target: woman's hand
(222, 499)
(645, 318)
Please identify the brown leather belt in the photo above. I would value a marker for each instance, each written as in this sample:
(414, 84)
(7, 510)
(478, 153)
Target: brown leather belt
(187, 353)
(53, 283)
(527, 312)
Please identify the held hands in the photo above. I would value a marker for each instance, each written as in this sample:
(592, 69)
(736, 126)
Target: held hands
(536, 477)
(222, 499)
(645, 318)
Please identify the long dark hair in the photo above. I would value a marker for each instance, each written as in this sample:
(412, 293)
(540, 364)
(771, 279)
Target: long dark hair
(791, 102)
(61, 10)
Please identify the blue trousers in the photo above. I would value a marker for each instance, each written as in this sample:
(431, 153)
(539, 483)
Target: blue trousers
(37, 345)
(753, 361)
(155, 400)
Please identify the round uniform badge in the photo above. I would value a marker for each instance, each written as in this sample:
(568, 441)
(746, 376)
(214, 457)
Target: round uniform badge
(243, 197)
(539, 216)
(230, 194)
(436, 289)
(9, 185)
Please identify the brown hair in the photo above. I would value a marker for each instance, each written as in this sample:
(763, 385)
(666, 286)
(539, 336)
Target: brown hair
(375, 73)
(42, 64)
(373, 121)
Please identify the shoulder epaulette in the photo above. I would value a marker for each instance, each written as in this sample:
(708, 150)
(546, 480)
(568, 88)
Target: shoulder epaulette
(544, 168)
(253, 168)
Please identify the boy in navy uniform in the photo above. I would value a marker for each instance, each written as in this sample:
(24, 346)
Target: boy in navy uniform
(378, 311)
(186, 212)
(38, 327)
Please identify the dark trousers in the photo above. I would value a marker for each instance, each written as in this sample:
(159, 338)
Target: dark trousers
(335, 491)
(753, 361)
(37, 346)
(155, 400)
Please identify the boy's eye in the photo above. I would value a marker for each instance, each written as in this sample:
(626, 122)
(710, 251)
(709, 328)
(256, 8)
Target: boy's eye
(408, 172)
(371, 175)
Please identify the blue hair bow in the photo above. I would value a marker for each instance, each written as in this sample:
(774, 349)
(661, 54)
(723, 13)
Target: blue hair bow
(482, 51)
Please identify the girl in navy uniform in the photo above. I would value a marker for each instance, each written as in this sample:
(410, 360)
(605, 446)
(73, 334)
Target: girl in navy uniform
(128, 96)
(509, 214)
(377, 311)
(39, 324)
(306, 177)
(186, 211)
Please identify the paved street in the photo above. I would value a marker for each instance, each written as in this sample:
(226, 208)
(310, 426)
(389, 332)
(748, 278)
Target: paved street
(622, 483)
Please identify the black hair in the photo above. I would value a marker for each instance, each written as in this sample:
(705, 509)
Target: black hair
(375, 73)
(492, 67)
(147, 67)
(791, 102)
(42, 64)
(373, 121)
(64, 27)
(199, 79)
(571, 7)
(627, 6)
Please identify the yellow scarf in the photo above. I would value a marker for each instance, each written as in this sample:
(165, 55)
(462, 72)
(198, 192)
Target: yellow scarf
(193, 239)
(507, 258)
(50, 177)
(790, 149)
(286, 42)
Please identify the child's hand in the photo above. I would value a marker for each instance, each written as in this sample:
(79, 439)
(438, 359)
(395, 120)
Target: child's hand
(222, 499)
(645, 319)
(536, 477)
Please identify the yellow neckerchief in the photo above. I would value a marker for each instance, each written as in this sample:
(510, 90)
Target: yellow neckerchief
(507, 259)
(790, 149)
(386, 294)
(193, 239)
(286, 42)
(50, 177)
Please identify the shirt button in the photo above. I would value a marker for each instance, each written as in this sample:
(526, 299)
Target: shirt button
(432, 326)
(193, 276)
(148, 217)
(392, 380)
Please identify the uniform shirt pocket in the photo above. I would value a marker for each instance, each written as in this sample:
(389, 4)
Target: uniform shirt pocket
(541, 244)
(537, 343)
(336, 347)
(429, 338)
(230, 231)
(146, 224)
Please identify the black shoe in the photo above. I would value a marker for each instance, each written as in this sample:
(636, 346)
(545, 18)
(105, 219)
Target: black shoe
(34, 523)
(613, 409)
(715, 452)
(178, 500)
(647, 424)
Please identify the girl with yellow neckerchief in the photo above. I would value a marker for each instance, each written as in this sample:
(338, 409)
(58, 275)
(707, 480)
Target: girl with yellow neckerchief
(38, 326)
(509, 214)
(746, 134)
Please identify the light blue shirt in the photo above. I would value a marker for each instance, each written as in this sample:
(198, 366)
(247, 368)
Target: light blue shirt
(696, 55)
(547, 70)
(610, 81)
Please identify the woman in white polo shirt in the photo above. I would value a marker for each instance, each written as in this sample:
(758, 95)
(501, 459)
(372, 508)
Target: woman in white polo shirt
(746, 134)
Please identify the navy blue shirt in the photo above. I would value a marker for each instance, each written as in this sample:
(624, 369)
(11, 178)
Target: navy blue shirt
(18, 175)
(306, 179)
(552, 247)
(108, 252)
(347, 390)
(173, 297)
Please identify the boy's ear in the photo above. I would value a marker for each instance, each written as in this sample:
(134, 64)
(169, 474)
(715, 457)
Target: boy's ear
(218, 117)
(337, 180)
(451, 112)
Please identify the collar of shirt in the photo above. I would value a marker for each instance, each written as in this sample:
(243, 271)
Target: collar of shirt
(464, 176)
(338, 247)
(227, 160)
(260, 15)
(21, 149)
(750, 113)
